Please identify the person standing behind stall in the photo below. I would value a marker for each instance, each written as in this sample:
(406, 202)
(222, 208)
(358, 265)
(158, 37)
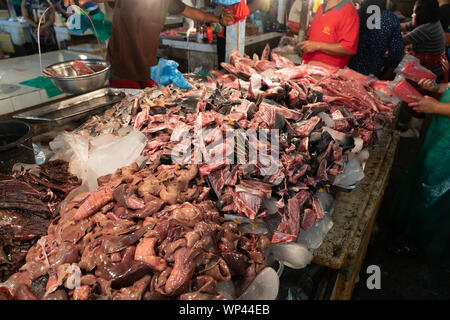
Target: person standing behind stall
(32, 11)
(427, 37)
(59, 4)
(253, 6)
(295, 17)
(374, 42)
(444, 8)
(333, 35)
(420, 215)
(17, 4)
(428, 45)
(136, 26)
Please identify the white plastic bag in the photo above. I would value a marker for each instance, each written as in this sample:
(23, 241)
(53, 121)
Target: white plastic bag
(103, 155)
(293, 255)
(353, 173)
(227, 289)
(107, 158)
(264, 287)
(313, 238)
(79, 145)
(411, 68)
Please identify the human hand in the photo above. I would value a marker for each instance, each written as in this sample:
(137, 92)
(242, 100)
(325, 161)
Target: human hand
(309, 46)
(425, 105)
(42, 30)
(429, 85)
(227, 18)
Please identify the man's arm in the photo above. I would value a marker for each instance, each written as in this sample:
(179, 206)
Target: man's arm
(51, 18)
(199, 15)
(429, 105)
(334, 48)
(406, 26)
(346, 37)
(26, 16)
(61, 9)
(331, 48)
(418, 35)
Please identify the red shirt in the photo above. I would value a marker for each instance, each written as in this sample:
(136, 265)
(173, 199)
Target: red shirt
(339, 24)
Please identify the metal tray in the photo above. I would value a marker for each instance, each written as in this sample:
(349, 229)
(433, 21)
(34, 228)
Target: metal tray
(72, 109)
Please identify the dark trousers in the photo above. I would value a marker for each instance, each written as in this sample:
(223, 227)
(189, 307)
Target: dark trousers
(221, 43)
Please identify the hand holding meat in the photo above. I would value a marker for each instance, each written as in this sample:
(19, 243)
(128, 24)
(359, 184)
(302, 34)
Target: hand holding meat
(42, 31)
(309, 46)
(227, 18)
(426, 105)
(429, 85)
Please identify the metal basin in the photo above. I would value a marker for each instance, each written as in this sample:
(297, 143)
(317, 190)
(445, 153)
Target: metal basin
(73, 84)
(15, 145)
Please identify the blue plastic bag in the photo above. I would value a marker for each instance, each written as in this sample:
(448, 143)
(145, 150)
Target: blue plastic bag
(166, 72)
(227, 3)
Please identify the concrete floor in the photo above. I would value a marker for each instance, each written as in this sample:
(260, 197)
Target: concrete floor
(402, 278)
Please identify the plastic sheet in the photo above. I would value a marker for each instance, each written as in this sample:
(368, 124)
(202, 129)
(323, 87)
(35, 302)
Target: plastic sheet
(264, 287)
(89, 160)
(119, 153)
(227, 289)
(313, 238)
(353, 173)
(404, 90)
(411, 69)
(293, 255)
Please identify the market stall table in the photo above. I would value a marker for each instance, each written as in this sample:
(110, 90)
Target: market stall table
(15, 96)
(337, 262)
(191, 54)
(345, 245)
(344, 248)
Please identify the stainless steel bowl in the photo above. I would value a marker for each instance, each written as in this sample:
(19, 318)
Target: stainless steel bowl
(73, 84)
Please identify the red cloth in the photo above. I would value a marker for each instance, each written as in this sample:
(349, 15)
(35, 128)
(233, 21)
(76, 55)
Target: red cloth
(240, 11)
(130, 84)
(294, 27)
(338, 25)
